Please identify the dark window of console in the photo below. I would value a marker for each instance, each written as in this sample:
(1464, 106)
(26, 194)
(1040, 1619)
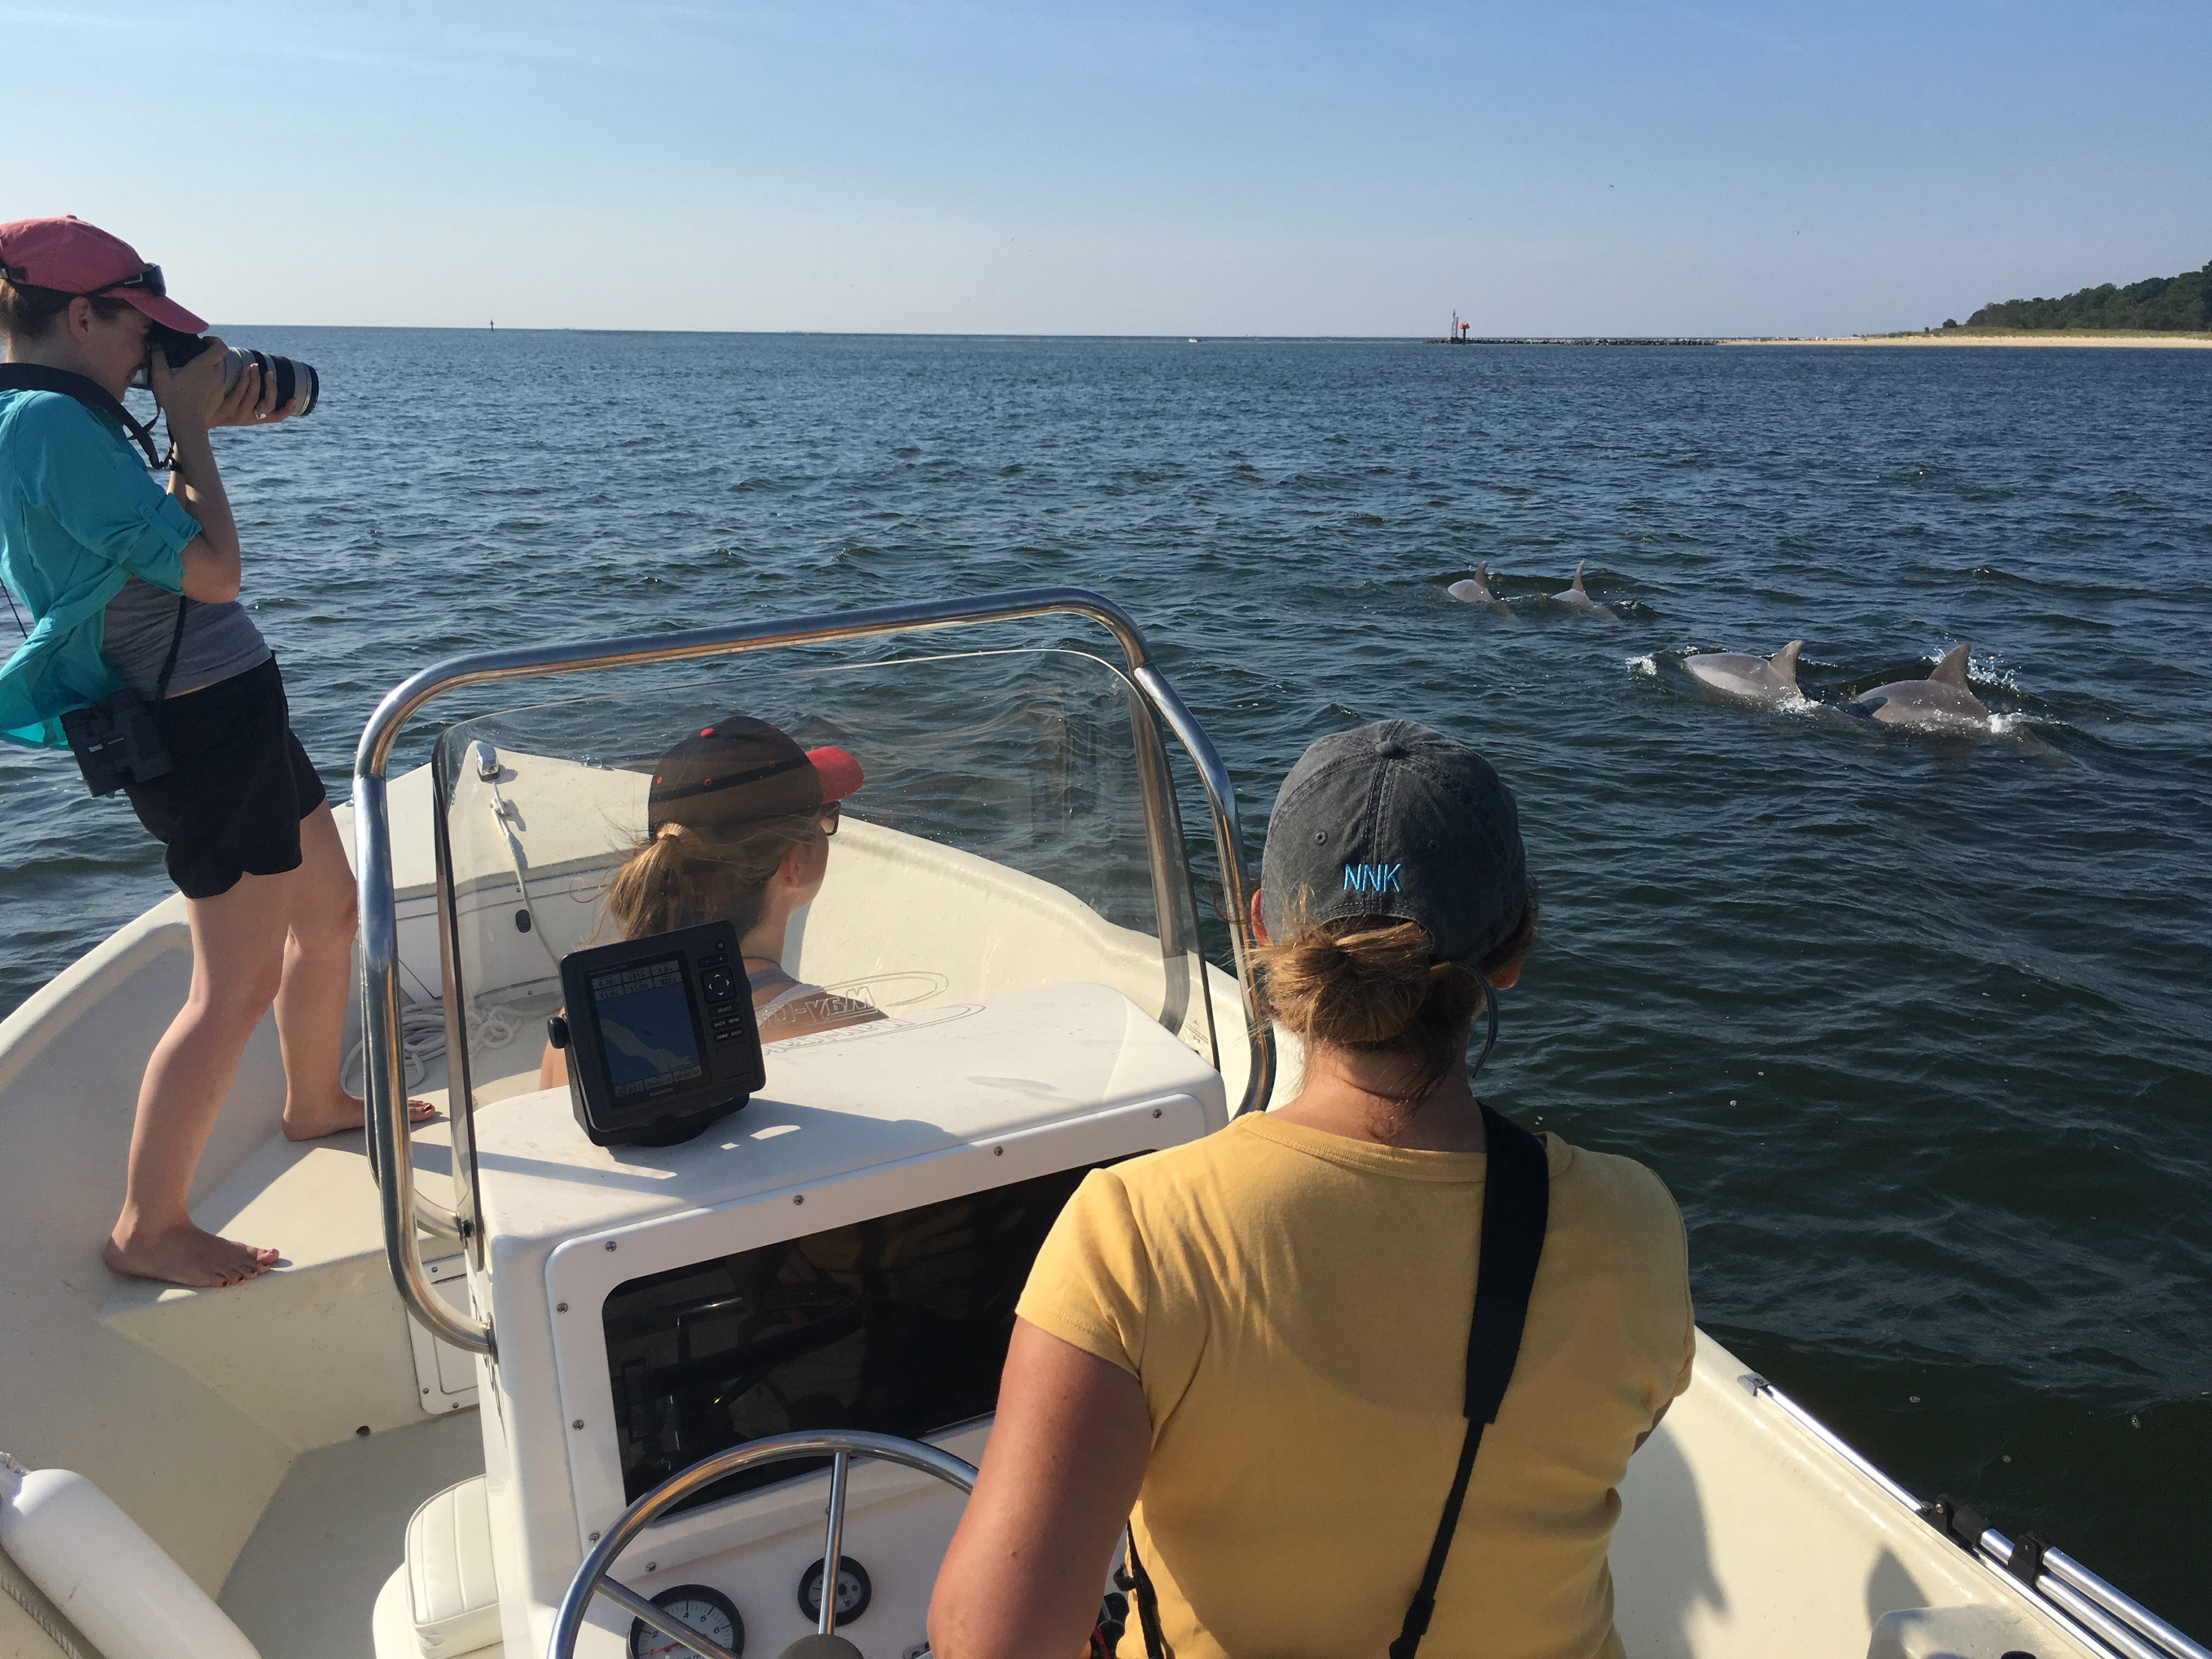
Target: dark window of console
(898, 1324)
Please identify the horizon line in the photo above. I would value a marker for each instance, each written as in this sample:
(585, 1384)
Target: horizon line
(1002, 334)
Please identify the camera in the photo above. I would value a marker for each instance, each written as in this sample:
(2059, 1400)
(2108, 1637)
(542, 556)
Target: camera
(291, 376)
(117, 742)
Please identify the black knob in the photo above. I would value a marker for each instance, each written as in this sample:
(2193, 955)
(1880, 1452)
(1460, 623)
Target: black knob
(556, 1032)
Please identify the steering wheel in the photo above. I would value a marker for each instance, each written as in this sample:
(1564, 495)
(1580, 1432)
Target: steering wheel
(841, 1447)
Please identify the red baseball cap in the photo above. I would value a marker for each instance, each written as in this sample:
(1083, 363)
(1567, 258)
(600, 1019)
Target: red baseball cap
(740, 770)
(71, 256)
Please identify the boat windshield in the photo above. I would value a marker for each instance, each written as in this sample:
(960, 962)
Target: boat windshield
(1010, 832)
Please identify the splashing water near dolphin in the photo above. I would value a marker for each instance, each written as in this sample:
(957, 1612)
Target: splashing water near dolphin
(1939, 702)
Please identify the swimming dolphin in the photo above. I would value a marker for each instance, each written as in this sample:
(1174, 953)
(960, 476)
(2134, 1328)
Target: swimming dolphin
(1477, 590)
(1939, 700)
(1576, 597)
(1767, 681)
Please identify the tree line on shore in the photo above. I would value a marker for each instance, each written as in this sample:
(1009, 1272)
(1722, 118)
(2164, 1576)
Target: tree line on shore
(2157, 303)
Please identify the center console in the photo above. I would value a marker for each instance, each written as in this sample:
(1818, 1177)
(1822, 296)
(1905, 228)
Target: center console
(845, 1253)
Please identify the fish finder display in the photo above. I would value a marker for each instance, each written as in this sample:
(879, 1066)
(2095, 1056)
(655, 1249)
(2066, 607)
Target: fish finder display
(661, 1036)
(649, 1039)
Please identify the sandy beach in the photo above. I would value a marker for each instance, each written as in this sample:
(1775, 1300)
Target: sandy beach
(2198, 342)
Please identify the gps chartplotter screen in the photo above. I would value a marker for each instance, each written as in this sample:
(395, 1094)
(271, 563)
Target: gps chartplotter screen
(645, 1028)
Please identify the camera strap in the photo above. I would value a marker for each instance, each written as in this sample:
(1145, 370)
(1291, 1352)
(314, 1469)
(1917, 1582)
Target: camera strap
(1517, 1206)
(1148, 1601)
(176, 644)
(37, 377)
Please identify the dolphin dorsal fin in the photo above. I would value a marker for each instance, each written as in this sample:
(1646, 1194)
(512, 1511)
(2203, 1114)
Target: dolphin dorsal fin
(1951, 670)
(1576, 587)
(1784, 661)
(1482, 572)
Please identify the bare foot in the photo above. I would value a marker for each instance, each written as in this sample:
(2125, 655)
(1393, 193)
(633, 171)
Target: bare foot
(337, 1115)
(184, 1255)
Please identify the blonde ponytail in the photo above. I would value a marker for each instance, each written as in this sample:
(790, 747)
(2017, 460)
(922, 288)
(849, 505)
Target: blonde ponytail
(676, 877)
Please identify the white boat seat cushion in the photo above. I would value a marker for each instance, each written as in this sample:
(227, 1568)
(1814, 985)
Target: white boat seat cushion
(451, 1592)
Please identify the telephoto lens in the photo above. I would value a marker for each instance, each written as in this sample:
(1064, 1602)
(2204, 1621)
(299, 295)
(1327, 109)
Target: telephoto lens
(293, 378)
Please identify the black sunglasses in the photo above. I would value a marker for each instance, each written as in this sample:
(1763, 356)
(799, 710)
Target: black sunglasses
(148, 279)
(830, 814)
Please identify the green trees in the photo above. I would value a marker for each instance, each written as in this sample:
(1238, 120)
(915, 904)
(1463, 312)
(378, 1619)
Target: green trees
(2159, 302)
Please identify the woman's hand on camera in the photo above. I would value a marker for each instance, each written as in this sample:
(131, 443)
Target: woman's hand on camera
(192, 397)
(252, 401)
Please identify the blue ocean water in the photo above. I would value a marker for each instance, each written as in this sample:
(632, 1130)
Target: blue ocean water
(1915, 1027)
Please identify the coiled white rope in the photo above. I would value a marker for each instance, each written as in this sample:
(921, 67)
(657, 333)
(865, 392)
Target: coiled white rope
(490, 1024)
(422, 1036)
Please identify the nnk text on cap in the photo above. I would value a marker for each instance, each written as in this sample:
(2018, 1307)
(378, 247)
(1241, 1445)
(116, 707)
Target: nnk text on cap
(1372, 878)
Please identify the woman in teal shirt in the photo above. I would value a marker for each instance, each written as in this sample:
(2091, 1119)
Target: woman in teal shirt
(94, 549)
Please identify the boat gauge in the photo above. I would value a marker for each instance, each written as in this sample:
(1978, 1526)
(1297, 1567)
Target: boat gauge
(695, 1607)
(854, 1592)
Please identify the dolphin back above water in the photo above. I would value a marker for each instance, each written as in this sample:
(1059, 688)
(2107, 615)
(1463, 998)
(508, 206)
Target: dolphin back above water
(1576, 597)
(1941, 700)
(1476, 590)
(1768, 682)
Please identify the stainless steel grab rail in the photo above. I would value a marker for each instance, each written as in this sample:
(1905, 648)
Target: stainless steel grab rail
(384, 1065)
(2100, 1617)
(1235, 881)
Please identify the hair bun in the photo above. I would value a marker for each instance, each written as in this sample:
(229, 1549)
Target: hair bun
(1357, 982)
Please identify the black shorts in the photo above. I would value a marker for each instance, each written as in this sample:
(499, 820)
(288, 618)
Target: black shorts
(242, 783)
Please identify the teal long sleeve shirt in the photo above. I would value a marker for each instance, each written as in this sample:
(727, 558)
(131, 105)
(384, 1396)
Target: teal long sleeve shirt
(80, 515)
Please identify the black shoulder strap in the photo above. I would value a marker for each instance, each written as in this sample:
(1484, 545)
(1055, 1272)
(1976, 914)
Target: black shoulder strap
(176, 643)
(1148, 1603)
(37, 377)
(1516, 1204)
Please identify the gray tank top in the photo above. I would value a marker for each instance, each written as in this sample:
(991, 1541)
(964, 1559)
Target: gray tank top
(219, 639)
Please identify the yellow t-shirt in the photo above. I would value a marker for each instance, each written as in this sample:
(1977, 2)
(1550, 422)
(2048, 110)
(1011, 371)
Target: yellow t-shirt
(1296, 1307)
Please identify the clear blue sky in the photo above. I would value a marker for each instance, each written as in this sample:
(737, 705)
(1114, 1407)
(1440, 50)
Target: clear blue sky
(1132, 168)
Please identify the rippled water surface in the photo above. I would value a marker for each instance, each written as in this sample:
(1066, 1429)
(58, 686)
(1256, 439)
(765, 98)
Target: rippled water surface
(1915, 1027)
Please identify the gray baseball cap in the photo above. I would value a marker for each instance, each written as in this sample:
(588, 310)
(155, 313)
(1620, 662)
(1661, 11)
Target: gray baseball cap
(1396, 820)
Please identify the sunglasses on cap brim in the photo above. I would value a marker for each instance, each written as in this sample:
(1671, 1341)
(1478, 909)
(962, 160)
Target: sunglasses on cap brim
(148, 281)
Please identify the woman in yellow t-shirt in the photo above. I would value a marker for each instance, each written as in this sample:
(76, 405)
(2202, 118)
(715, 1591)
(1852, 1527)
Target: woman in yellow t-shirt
(1260, 1339)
